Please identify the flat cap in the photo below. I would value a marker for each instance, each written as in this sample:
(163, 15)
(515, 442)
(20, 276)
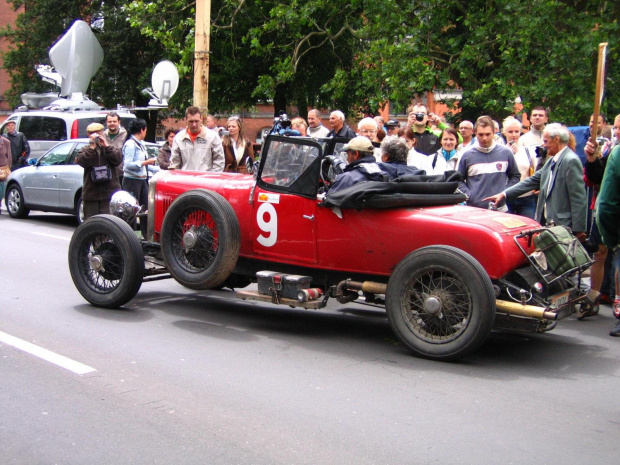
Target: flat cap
(392, 123)
(94, 127)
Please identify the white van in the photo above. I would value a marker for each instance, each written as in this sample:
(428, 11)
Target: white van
(45, 128)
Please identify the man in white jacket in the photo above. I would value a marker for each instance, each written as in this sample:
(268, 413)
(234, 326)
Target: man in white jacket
(196, 148)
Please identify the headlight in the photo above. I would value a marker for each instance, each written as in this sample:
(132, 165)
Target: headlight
(125, 206)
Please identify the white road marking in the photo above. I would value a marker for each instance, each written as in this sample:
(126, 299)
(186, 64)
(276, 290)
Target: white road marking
(47, 355)
(52, 236)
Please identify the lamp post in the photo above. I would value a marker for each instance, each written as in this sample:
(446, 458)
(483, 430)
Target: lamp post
(201, 54)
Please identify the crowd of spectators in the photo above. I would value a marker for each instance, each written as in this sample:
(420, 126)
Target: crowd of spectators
(536, 174)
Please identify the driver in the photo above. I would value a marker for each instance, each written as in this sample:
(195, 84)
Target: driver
(362, 165)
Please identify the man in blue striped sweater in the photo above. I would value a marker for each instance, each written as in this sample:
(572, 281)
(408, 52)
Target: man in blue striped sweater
(486, 167)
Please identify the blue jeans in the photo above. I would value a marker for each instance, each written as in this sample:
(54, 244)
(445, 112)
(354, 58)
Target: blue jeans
(2, 186)
(524, 206)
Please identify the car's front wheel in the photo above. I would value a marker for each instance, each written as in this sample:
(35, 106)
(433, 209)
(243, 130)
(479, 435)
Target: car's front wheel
(79, 210)
(200, 239)
(106, 261)
(440, 303)
(15, 202)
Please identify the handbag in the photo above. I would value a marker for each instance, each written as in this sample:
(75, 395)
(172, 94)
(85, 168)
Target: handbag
(101, 173)
(4, 172)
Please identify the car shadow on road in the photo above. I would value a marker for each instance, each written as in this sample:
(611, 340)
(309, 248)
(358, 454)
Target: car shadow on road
(364, 333)
(126, 314)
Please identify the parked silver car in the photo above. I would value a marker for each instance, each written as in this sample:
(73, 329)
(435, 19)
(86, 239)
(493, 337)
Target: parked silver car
(45, 128)
(53, 183)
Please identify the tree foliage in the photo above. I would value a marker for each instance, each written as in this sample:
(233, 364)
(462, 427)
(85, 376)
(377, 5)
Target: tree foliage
(350, 54)
(543, 51)
(129, 56)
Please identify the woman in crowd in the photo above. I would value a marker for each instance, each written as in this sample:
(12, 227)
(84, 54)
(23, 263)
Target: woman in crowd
(136, 164)
(526, 161)
(299, 124)
(237, 147)
(445, 159)
(5, 162)
(163, 157)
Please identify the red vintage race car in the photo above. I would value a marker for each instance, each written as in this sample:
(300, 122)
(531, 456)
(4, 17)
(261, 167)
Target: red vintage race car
(447, 274)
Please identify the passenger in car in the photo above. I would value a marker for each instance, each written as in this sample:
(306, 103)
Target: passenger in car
(362, 166)
(394, 151)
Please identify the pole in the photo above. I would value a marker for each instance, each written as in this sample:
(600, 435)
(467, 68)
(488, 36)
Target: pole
(600, 86)
(201, 54)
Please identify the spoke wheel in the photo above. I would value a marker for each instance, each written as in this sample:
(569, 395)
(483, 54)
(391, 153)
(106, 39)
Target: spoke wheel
(201, 239)
(106, 261)
(440, 302)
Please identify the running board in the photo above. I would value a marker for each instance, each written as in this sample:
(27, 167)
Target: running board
(254, 295)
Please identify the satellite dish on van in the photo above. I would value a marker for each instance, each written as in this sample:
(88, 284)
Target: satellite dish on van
(165, 81)
(76, 56)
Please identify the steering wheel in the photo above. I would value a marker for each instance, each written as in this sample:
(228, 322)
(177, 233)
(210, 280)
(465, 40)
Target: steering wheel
(328, 176)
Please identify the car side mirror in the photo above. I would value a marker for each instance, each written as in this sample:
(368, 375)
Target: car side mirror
(32, 161)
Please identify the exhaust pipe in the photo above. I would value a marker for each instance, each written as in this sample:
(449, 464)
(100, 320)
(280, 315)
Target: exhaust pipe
(346, 291)
(532, 311)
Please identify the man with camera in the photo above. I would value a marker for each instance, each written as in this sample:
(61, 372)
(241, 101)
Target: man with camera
(100, 161)
(427, 140)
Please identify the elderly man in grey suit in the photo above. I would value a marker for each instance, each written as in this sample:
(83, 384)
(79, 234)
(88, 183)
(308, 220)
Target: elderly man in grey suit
(562, 198)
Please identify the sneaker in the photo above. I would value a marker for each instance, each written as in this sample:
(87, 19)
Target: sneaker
(616, 331)
(616, 307)
(604, 299)
(587, 309)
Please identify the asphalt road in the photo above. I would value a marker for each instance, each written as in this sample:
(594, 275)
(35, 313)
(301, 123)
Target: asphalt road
(184, 377)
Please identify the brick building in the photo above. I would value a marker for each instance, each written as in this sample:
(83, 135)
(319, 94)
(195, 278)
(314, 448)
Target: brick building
(7, 16)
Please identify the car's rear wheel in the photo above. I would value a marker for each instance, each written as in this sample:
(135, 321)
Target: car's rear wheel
(440, 303)
(106, 261)
(15, 202)
(200, 239)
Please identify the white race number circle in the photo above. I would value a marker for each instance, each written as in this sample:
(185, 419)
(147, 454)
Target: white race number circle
(270, 226)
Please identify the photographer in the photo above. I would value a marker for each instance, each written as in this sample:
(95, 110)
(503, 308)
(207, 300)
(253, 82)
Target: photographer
(99, 160)
(282, 126)
(428, 141)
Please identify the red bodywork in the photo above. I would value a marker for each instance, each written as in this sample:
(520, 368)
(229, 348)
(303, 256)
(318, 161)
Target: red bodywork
(292, 229)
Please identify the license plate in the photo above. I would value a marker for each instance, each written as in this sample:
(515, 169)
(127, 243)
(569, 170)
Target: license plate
(560, 299)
